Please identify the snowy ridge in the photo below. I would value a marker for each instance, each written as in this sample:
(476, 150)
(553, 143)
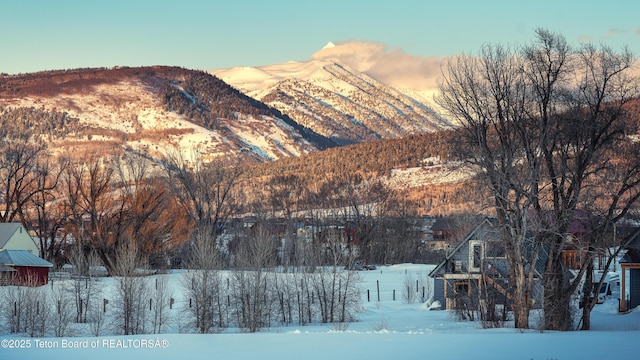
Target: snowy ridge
(128, 113)
(336, 100)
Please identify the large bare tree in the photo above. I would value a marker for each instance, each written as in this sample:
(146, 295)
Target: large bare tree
(20, 177)
(90, 205)
(115, 200)
(205, 189)
(542, 123)
(146, 210)
(46, 210)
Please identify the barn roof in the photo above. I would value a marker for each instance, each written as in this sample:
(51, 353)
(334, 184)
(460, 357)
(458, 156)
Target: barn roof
(22, 258)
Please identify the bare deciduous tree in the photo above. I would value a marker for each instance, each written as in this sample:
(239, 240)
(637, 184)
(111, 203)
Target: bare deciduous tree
(83, 283)
(542, 125)
(89, 203)
(160, 298)
(18, 159)
(204, 189)
(62, 310)
(145, 211)
(45, 209)
(132, 293)
(253, 294)
(203, 284)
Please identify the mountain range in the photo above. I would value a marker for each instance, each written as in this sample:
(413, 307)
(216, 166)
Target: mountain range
(263, 113)
(150, 109)
(333, 93)
(357, 98)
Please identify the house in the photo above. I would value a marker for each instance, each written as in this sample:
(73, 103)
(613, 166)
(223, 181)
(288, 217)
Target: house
(21, 267)
(6, 274)
(14, 236)
(19, 261)
(443, 229)
(630, 264)
(476, 268)
(446, 231)
(432, 242)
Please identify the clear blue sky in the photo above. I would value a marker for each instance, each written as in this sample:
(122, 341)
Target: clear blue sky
(199, 34)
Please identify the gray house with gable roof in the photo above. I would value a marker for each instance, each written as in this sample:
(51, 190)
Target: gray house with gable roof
(477, 267)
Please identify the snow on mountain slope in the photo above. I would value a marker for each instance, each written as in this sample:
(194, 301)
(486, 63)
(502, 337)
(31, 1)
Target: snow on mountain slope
(130, 110)
(127, 108)
(336, 99)
(410, 74)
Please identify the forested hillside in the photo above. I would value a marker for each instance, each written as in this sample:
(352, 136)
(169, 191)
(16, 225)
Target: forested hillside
(369, 159)
(422, 159)
(20, 121)
(151, 109)
(204, 99)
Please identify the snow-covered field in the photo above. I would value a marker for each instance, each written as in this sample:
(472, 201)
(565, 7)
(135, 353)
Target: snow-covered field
(386, 329)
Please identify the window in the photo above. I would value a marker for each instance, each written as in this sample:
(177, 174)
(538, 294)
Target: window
(476, 255)
(495, 249)
(461, 288)
(457, 266)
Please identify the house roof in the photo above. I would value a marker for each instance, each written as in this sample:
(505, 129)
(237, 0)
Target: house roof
(5, 268)
(632, 256)
(632, 239)
(460, 245)
(22, 258)
(492, 222)
(442, 224)
(6, 232)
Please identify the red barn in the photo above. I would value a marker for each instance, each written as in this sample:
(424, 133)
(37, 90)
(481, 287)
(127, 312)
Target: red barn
(20, 267)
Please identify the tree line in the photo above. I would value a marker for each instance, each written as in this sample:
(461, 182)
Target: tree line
(99, 203)
(253, 296)
(129, 215)
(369, 159)
(15, 122)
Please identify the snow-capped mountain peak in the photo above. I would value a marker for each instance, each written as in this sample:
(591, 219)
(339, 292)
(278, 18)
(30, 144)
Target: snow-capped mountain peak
(331, 94)
(329, 45)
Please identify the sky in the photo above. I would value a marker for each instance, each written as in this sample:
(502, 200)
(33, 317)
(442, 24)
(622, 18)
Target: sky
(40, 35)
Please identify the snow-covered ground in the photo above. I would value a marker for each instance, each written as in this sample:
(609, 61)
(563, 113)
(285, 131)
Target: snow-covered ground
(386, 329)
